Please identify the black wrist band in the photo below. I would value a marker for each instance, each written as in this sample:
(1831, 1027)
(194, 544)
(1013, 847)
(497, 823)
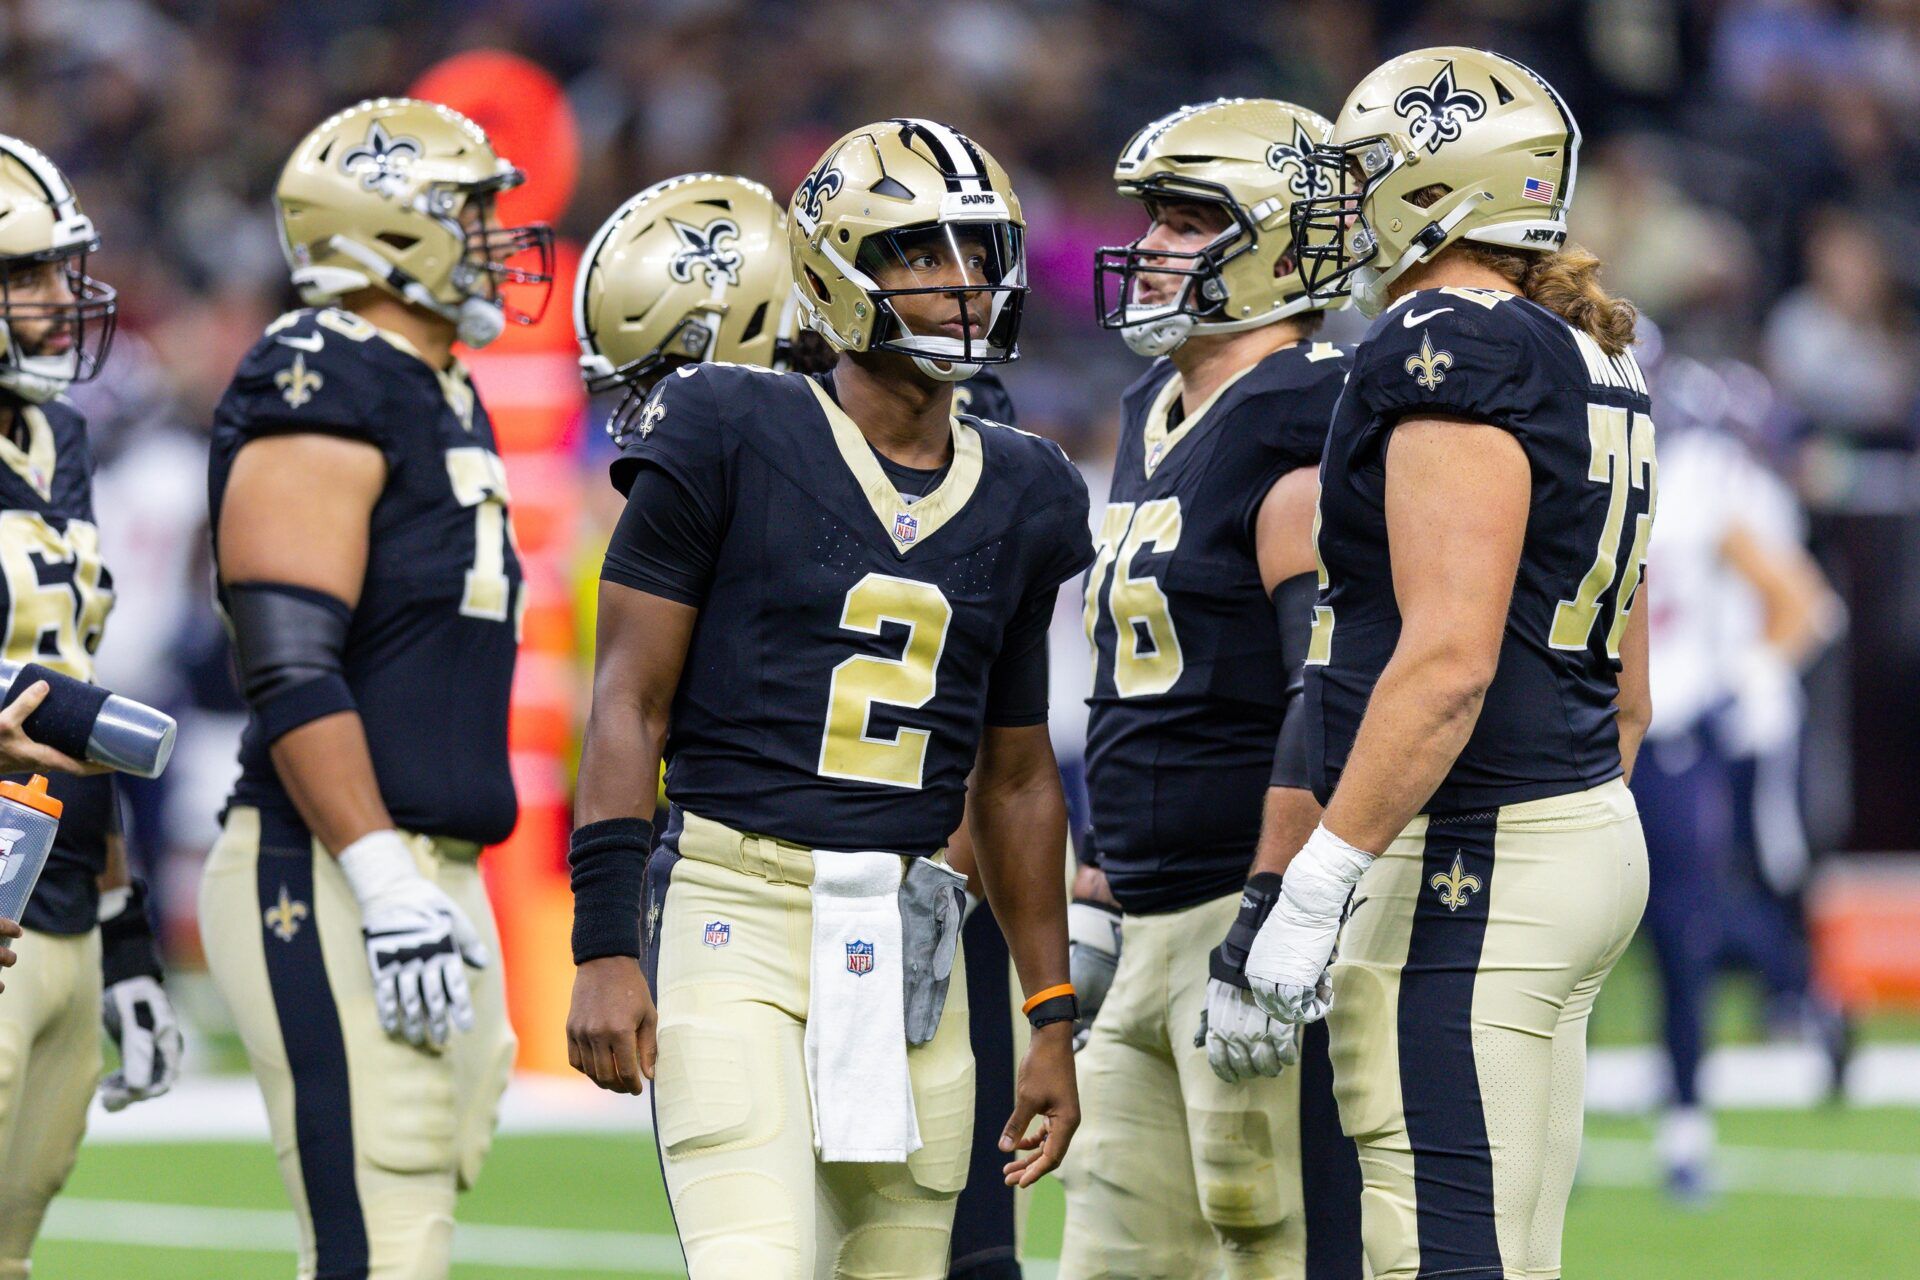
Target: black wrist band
(608, 865)
(1057, 1009)
(1228, 962)
(127, 947)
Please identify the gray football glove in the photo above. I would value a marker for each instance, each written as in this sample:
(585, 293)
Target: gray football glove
(1093, 953)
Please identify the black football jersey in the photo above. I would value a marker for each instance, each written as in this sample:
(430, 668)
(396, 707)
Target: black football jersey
(58, 595)
(431, 648)
(1188, 684)
(1584, 419)
(835, 686)
(985, 396)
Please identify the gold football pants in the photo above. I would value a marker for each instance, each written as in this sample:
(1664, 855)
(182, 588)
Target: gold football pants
(1467, 968)
(1176, 1173)
(49, 1065)
(375, 1137)
(729, 932)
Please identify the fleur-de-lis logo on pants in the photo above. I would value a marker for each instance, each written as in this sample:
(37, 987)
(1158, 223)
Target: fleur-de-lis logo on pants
(1306, 179)
(1436, 111)
(707, 250)
(1455, 887)
(283, 917)
(1429, 367)
(297, 383)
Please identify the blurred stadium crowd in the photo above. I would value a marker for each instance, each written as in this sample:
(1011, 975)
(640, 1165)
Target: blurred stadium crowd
(1752, 169)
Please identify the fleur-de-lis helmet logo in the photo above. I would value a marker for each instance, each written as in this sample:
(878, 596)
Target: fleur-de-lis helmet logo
(1429, 367)
(820, 186)
(1437, 111)
(708, 250)
(1305, 179)
(382, 160)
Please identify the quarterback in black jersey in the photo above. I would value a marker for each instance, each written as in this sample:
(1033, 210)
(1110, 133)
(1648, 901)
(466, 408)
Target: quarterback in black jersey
(833, 654)
(1476, 674)
(89, 952)
(367, 567)
(1200, 592)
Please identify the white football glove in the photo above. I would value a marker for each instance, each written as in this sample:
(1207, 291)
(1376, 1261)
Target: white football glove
(418, 942)
(1093, 953)
(140, 1020)
(1287, 966)
(1242, 1040)
(134, 1007)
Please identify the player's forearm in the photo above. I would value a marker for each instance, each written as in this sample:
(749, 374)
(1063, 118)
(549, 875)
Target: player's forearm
(328, 772)
(619, 761)
(1289, 818)
(1020, 839)
(1418, 721)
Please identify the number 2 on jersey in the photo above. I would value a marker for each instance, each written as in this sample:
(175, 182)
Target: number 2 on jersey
(848, 746)
(1622, 458)
(1146, 651)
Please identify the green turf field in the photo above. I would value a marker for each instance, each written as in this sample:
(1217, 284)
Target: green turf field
(1828, 1194)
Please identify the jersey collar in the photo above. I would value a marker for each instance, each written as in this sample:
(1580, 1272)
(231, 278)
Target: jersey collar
(1158, 442)
(906, 526)
(35, 463)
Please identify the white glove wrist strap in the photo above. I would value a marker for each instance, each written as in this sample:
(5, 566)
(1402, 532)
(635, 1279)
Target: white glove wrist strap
(1320, 876)
(376, 864)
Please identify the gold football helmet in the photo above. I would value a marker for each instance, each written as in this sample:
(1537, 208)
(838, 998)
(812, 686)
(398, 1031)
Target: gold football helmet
(914, 201)
(56, 321)
(1487, 136)
(1251, 157)
(693, 268)
(398, 194)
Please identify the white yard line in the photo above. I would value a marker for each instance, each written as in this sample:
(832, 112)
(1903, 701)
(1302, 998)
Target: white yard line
(173, 1226)
(1785, 1171)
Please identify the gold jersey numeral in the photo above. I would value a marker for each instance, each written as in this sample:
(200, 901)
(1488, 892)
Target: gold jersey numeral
(58, 624)
(848, 747)
(1147, 659)
(480, 481)
(1622, 458)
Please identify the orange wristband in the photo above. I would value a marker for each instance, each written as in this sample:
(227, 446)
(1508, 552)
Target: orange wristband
(1040, 997)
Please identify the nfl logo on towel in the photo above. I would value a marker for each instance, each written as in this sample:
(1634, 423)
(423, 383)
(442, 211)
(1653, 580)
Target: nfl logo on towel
(859, 957)
(905, 527)
(719, 933)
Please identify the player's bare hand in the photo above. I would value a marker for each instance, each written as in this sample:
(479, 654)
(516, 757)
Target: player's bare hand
(1046, 1090)
(612, 1029)
(21, 754)
(8, 929)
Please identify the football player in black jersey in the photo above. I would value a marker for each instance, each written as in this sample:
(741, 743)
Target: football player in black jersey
(87, 950)
(696, 268)
(839, 592)
(1477, 678)
(367, 565)
(1197, 1146)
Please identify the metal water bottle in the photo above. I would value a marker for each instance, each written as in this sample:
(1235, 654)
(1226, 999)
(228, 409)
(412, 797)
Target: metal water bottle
(89, 723)
(28, 819)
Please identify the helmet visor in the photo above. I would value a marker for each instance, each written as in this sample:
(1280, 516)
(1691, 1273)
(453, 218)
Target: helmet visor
(951, 291)
(59, 319)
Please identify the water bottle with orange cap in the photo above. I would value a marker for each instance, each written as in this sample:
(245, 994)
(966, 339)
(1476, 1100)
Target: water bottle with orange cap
(28, 819)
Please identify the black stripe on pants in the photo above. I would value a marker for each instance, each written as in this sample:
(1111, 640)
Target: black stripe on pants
(983, 1235)
(1329, 1168)
(1439, 1083)
(317, 1058)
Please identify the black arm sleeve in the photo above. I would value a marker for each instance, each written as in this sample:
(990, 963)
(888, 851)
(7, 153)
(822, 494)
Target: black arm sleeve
(1017, 685)
(666, 543)
(1293, 608)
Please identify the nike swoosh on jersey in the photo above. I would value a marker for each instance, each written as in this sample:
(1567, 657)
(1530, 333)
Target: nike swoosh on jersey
(311, 343)
(1411, 319)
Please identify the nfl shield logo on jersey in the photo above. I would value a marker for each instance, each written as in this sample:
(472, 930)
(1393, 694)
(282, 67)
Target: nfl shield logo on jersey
(905, 528)
(859, 958)
(719, 933)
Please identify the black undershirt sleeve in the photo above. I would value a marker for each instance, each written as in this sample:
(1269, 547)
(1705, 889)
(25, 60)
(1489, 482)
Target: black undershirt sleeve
(1293, 602)
(1017, 684)
(666, 543)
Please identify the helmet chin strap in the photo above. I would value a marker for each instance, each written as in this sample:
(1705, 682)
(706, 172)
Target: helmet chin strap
(945, 370)
(35, 379)
(1370, 287)
(477, 321)
(1162, 334)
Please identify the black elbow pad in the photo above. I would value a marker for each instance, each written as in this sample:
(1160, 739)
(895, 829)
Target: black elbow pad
(290, 642)
(1293, 602)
